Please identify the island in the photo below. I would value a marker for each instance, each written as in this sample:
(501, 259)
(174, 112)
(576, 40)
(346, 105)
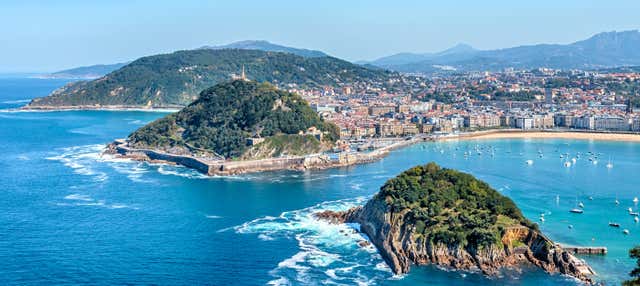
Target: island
(433, 215)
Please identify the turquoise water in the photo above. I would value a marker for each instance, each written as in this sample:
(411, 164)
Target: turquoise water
(71, 216)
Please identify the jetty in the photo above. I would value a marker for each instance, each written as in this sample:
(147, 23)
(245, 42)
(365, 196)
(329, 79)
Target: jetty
(595, 250)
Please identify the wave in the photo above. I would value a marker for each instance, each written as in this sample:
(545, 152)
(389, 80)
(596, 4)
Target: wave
(86, 200)
(17, 101)
(327, 253)
(81, 159)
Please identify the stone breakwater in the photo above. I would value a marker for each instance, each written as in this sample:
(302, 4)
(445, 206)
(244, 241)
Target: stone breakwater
(394, 238)
(213, 167)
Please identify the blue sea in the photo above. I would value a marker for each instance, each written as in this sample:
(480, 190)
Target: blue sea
(69, 215)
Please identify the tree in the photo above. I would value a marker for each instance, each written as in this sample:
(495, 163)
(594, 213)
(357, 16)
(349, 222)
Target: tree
(635, 273)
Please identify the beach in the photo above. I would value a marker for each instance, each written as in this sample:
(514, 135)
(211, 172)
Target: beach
(579, 135)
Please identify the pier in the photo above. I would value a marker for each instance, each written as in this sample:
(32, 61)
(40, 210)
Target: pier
(596, 250)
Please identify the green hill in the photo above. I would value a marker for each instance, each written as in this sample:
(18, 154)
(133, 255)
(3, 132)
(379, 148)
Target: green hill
(451, 207)
(176, 79)
(224, 116)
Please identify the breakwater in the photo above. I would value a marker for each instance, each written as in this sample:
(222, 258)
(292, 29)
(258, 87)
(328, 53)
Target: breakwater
(213, 167)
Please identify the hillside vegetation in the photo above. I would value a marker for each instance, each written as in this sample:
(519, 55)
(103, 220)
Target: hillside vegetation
(176, 79)
(451, 207)
(224, 116)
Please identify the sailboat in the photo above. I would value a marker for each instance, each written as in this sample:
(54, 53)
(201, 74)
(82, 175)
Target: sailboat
(577, 210)
(609, 164)
(635, 200)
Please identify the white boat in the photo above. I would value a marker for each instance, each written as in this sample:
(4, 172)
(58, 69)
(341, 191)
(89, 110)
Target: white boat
(542, 219)
(617, 202)
(636, 219)
(529, 162)
(630, 209)
(570, 226)
(590, 198)
(595, 162)
(573, 160)
(581, 205)
(635, 200)
(626, 231)
(576, 211)
(567, 164)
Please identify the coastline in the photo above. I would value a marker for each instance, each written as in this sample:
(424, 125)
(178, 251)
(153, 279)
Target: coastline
(28, 108)
(550, 134)
(322, 161)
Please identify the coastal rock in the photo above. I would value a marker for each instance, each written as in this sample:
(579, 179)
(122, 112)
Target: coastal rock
(401, 244)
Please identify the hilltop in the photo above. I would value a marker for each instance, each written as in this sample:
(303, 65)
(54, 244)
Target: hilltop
(433, 215)
(269, 47)
(176, 79)
(225, 116)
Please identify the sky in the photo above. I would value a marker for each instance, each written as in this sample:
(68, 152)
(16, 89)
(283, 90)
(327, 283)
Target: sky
(45, 35)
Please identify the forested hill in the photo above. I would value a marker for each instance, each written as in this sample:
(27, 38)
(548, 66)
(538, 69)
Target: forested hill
(176, 79)
(224, 116)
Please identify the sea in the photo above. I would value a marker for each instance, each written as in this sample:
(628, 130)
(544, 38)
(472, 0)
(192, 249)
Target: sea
(70, 215)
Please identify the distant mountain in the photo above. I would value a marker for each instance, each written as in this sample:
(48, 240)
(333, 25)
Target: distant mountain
(610, 49)
(176, 79)
(409, 58)
(268, 47)
(87, 72)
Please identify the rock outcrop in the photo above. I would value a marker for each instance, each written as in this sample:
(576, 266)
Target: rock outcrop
(401, 243)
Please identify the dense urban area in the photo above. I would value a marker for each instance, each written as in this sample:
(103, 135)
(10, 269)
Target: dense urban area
(406, 105)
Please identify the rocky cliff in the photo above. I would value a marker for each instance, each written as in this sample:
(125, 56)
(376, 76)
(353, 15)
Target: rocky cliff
(401, 241)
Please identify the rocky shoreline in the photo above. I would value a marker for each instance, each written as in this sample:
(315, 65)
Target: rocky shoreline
(393, 238)
(217, 167)
(319, 162)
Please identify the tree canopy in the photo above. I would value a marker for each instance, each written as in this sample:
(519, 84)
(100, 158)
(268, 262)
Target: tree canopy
(227, 114)
(451, 207)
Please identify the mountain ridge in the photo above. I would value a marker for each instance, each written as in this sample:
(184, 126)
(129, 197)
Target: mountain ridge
(176, 79)
(602, 50)
(267, 46)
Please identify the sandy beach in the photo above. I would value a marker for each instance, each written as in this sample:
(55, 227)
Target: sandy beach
(581, 135)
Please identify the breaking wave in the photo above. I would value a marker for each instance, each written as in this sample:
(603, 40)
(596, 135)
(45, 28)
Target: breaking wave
(328, 253)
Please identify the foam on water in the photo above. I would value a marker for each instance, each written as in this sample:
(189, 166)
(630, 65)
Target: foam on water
(86, 200)
(82, 159)
(328, 253)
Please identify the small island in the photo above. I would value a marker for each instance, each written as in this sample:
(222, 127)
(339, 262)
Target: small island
(238, 127)
(433, 215)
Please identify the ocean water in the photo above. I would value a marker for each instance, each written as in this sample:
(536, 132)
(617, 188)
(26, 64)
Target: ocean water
(71, 216)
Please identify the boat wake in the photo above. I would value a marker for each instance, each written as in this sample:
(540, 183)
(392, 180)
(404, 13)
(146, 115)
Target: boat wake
(328, 253)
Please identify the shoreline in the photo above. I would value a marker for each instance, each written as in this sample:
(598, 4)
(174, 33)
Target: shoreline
(28, 108)
(324, 161)
(550, 134)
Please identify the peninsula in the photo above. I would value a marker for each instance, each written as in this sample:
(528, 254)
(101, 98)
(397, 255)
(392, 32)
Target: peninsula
(237, 127)
(176, 79)
(433, 215)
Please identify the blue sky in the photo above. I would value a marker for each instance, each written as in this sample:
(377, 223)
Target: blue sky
(43, 35)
